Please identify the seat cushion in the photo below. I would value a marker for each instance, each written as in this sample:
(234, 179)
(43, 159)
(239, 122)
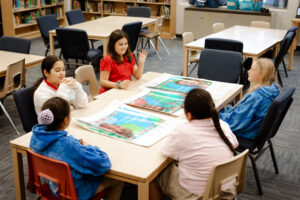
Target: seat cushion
(94, 53)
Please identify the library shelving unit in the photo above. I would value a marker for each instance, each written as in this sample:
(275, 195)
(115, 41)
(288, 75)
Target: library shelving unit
(93, 9)
(19, 16)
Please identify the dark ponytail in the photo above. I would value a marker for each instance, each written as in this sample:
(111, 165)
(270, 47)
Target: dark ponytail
(199, 103)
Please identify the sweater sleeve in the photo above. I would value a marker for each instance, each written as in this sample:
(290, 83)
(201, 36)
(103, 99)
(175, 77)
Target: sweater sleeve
(81, 99)
(39, 98)
(241, 115)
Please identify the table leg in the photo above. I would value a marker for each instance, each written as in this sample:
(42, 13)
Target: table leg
(18, 174)
(51, 43)
(143, 191)
(104, 43)
(291, 52)
(185, 61)
(295, 41)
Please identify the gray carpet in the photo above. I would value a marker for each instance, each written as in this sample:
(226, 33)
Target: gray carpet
(285, 185)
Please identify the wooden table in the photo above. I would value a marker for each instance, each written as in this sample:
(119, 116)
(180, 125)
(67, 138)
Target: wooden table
(295, 22)
(130, 163)
(7, 58)
(101, 28)
(257, 41)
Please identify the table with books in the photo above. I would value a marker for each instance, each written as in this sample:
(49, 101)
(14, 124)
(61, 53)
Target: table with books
(130, 126)
(100, 29)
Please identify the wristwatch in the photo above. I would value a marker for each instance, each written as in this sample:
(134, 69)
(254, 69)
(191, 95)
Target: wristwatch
(119, 84)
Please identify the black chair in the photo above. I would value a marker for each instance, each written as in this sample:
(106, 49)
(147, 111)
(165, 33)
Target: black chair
(45, 24)
(220, 65)
(14, 44)
(25, 106)
(267, 131)
(75, 45)
(284, 47)
(223, 44)
(133, 30)
(75, 17)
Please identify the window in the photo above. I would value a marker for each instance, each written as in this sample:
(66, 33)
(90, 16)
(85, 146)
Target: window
(275, 3)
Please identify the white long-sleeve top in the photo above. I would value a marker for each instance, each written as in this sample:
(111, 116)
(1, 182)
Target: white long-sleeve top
(198, 147)
(45, 92)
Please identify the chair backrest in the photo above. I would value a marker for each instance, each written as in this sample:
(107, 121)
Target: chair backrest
(220, 65)
(158, 25)
(133, 30)
(292, 29)
(45, 24)
(75, 17)
(217, 27)
(14, 78)
(53, 170)
(25, 106)
(260, 24)
(274, 116)
(74, 43)
(87, 74)
(139, 11)
(233, 168)
(224, 44)
(187, 37)
(14, 44)
(284, 47)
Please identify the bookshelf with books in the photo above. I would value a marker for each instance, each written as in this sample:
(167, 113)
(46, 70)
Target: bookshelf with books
(19, 16)
(93, 9)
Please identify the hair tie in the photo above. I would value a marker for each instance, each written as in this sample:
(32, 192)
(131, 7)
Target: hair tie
(46, 117)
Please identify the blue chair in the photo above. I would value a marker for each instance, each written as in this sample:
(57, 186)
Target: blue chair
(133, 31)
(14, 44)
(267, 131)
(45, 24)
(219, 65)
(25, 106)
(74, 45)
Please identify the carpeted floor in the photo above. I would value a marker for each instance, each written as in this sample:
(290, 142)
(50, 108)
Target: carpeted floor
(285, 185)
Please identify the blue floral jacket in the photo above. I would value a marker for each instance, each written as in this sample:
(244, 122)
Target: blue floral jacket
(245, 118)
(87, 163)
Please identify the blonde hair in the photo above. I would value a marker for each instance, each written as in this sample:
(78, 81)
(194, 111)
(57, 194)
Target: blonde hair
(267, 71)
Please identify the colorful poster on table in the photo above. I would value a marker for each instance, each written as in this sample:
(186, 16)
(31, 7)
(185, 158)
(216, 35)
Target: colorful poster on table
(125, 123)
(158, 100)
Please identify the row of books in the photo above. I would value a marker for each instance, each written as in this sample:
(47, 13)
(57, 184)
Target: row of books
(28, 18)
(24, 4)
(164, 10)
(155, 1)
(50, 2)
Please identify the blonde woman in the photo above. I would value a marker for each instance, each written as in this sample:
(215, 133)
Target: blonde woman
(245, 118)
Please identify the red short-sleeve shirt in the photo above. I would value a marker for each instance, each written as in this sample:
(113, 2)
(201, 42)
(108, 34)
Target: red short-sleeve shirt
(120, 72)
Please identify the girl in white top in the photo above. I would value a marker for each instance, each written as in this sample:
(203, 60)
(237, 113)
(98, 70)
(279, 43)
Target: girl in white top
(198, 145)
(54, 83)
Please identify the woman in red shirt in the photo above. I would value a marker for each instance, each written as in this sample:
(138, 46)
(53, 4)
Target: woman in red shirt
(119, 64)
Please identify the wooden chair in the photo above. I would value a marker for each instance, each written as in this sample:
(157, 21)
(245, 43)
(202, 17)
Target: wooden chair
(87, 74)
(217, 27)
(233, 168)
(260, 24)
(193, 57)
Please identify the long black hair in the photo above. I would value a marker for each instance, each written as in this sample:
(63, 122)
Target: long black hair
(199, 103)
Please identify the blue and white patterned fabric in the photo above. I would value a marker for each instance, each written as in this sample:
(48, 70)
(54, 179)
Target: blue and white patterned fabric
(245, 118)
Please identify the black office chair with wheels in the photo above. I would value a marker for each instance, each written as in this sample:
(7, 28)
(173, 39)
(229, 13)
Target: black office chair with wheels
(223, 44)
(267, 131)
(45, 24)
(219, 65)
(25, 106)
(133, 30)
(14, 44)
(75, 45)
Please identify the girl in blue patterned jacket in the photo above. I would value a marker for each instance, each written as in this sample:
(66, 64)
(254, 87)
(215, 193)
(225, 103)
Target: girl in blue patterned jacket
(245, 118)
(87, 163)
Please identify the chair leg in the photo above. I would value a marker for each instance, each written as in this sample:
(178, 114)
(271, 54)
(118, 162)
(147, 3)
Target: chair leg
(8, 117)
(284, 67)
(273, 156)
(60, 54)
(46, 52)
(68, 65)
(154, 48)
(163, 45)
(256, 174)
(279, 78)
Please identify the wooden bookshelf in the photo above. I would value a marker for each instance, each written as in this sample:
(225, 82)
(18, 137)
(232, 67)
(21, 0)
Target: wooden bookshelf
(19, 16)
(93, 9)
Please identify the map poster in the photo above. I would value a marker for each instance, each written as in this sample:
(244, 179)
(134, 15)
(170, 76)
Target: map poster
(125, 123)
(158, 100)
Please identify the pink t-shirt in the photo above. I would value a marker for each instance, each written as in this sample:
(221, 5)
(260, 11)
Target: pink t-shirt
(198, 148)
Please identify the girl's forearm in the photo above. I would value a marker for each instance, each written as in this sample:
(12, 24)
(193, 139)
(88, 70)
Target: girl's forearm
(108, 84)
(139, 72)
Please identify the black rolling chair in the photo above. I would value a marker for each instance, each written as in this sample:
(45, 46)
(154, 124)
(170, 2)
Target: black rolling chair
(284, 47)
(45, 24)
(223, 44)
(25, 106)
(75, 45)
(267, 131)
(14, 44)
(133, 30)
(220, 65)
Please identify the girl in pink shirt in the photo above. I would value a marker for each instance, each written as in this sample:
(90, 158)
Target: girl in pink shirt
(198, 145)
